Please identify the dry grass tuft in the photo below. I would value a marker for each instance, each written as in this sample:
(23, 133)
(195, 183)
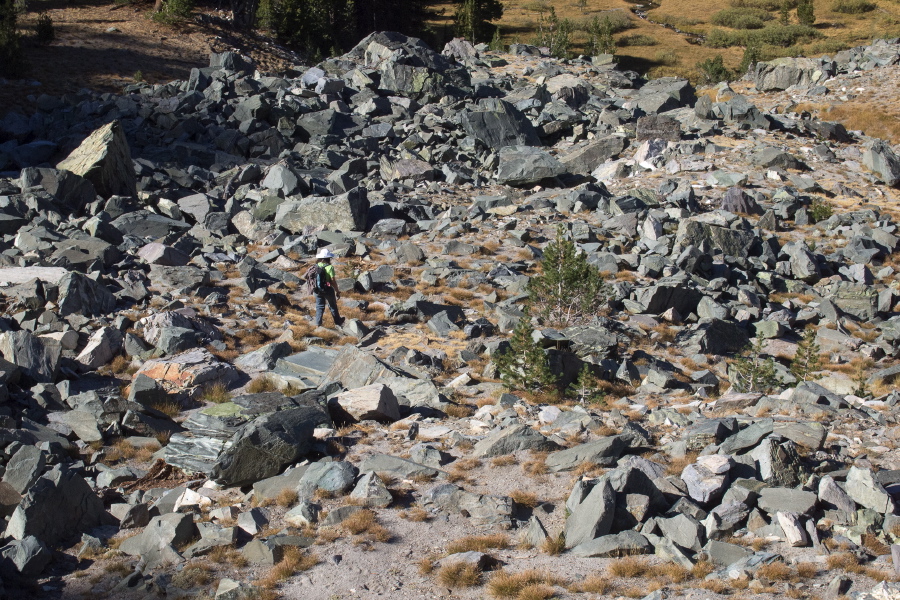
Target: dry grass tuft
(295, 560)
(287, 497)
(523, 498)
(458, 575)
(217, 393)
(416, 514)
(536, 465)
(509, 585)
(459, 411)
(553, 546)
(478, 543)
(677, 465)
(628, 566)
(261, 384)
(503, 461)
(365, 522)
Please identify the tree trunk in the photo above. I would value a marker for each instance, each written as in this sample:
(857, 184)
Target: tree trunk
(244, 13)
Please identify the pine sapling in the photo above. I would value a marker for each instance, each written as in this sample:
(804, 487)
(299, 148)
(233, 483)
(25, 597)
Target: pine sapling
(807, 360)
(524, 365)
(753, 373)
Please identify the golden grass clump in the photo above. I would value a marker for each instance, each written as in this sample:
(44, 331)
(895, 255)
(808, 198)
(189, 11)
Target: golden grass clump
(261, 384)
(524, 498)
(294, 561)
(553, 546)
(676, 465)
(628, 566)
(503, 461)
(478, 543)
(459, 575)
(536, 465)
(365, 522)
(287, 497)
(504, 584)
(169, 408)
(217, 393)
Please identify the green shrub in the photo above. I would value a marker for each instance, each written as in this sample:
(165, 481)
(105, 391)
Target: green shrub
(750, 372)
(751, 56)
(617, 19)
(637, 39)
(713, 70)
(666, 58)
(174, 11)
(43, 29)
(820, 210)
(12, 60)
(568, 290)
(554, 33)
(600, 37)
(742, 18)
(806, 13)
(853, 7)
(769, 5)
(772, 35)
(524, 365)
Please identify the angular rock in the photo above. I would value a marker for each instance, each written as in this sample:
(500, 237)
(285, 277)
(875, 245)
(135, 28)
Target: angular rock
(104, 159)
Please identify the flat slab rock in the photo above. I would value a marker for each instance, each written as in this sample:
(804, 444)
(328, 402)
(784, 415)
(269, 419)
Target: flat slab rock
(14, 275)
(188, 369)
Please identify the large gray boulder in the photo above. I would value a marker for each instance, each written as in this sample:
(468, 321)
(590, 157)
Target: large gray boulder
(27, 557)
(57, 507)
(881, 160)
(79, 294)
(71, 190)
(497, 123)
(512, 439)
(374, 402)
(603, 452)
(867, 492)
(346, 212)
(37, 357)
(782, 73)
(592, 511)
(268, 444)
(524, 165)
(585, 158)
(104, 159)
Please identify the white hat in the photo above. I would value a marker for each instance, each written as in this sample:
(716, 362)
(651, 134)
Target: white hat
(325, 253)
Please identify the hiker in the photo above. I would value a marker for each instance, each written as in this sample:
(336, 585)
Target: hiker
(322, 283)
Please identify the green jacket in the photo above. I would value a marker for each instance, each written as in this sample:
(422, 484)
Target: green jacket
(329, 272)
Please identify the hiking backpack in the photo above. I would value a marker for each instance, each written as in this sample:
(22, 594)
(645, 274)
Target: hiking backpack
(315, 279)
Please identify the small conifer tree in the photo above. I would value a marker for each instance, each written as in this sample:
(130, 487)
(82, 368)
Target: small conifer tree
(586, 388)
(806, 12)
(568, 290)
(524, 365)
(806, 361)
(753, 373)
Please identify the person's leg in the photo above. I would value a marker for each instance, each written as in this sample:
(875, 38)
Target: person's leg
(320, 309)
(332, 304)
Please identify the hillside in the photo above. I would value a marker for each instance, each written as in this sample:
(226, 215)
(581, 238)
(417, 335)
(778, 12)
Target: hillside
(600, 336)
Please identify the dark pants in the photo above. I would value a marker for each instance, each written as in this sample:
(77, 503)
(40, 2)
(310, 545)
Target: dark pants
(327, 295)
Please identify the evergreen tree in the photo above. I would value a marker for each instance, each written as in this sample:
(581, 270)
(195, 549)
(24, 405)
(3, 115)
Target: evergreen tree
(806, 361)
(473, 19)
(554, 34)
(524, 365)
(806, 13)
(568, 290)
(12, 61)
(750, 58)
(586, 388)
(784, 13)
(753, 373)
(600, 37)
